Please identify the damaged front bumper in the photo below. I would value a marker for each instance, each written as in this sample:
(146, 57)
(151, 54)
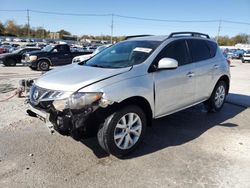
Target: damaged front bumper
(64, 122)
(64, 111)
(42, 115)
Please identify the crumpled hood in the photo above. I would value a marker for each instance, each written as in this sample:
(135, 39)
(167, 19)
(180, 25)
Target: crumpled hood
(73, 77)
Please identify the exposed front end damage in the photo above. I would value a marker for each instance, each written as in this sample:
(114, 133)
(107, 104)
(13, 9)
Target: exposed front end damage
(66, 112)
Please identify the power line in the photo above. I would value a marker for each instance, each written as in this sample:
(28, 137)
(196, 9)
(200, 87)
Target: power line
(163, 20)
(234, 22)
(13, 10)
(125, 16)
(68, 14)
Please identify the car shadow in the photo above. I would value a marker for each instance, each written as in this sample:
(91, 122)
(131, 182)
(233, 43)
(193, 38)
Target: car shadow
(176, 129)
(238, 99)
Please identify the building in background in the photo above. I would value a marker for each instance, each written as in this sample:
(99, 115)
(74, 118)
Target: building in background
(54, 35)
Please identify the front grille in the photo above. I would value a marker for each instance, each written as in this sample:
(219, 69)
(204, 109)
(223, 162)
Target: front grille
(38, 95)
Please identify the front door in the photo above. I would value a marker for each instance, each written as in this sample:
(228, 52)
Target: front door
(61, 55)
(174, 88)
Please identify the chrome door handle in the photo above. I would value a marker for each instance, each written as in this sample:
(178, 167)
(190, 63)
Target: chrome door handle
(190, 74)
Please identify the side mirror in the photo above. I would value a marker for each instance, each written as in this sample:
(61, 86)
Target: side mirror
(167, 63)
(54, 51)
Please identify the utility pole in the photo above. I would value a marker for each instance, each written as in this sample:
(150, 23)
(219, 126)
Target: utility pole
(112, 28)
(219, 28)
(28, 21)
(43, 31)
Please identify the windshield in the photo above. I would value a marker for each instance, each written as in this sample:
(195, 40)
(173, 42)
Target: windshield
(48, 48)
(17, 51)
(99, 49)
(123, 54)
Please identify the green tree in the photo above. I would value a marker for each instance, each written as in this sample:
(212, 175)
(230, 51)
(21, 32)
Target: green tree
(1, 29)
(11, 28)
(240, 38)
(63, 32)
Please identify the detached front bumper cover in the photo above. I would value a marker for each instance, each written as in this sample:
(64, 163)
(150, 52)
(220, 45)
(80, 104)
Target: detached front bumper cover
(44, 116)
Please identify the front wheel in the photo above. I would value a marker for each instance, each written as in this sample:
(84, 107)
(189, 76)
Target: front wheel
(217, 99)
(122, 131)
(43, 65)
(10, 62)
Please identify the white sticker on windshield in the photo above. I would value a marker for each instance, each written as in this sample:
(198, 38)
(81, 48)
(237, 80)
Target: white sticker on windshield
(145, 50)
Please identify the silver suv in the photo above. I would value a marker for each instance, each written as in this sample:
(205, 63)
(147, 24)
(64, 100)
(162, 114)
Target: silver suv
(119, 91)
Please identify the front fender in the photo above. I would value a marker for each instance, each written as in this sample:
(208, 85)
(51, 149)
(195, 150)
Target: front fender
(141, 86)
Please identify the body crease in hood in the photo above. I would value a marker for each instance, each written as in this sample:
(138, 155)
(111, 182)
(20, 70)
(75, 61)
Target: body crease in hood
(74, 77)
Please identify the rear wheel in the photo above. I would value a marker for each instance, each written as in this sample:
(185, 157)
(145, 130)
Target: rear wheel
(122, 131)
(43, 65)
(242, 60)
(217, 99)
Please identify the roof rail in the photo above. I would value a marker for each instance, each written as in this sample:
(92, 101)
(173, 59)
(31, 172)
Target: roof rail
(193, 34)
(134, 36)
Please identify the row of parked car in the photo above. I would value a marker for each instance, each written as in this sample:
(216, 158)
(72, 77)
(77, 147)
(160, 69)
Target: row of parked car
(38, 58)
(244, 55)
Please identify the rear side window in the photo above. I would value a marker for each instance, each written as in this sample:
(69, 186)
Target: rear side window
(199, 50)
(178, 51)
(212, 48)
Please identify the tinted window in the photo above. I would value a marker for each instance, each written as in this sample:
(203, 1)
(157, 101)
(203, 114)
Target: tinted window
(178, 51)
(62, 49)
(199, 50)
(212, 48)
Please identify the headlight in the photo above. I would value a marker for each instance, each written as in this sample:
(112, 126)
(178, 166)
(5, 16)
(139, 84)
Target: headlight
(32, 58)
(77, 101)
(76, 60)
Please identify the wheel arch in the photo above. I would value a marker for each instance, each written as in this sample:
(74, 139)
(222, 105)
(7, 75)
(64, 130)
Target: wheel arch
(45, 58)
(8, 59)
(226, 79)
(142, 103)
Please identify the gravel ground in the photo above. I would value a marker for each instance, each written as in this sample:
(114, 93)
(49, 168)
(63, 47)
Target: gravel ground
(188, 149)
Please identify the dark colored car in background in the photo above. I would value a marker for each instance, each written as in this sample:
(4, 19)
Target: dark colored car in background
(51, 55)
(238, 54)
(11, 59)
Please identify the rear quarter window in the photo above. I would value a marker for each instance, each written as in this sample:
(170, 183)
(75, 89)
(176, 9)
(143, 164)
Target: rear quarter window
(212, 48)
(199, 50)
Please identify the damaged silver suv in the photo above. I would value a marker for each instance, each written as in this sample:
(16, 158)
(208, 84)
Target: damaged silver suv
(119, 91)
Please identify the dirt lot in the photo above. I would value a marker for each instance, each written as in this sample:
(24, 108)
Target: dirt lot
(187, 149)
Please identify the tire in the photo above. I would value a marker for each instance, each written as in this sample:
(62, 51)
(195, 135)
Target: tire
(10, 62)
(242, 60)
(217, 99)
(43, 65)
(128, 137)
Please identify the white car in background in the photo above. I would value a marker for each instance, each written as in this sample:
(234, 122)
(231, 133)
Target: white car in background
(82, 58)
(246, 56)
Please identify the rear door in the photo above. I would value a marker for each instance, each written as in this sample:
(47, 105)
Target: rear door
(202, 53)
(174, 89)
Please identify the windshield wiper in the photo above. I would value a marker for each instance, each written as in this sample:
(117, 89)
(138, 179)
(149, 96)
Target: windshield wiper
(100, 66)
